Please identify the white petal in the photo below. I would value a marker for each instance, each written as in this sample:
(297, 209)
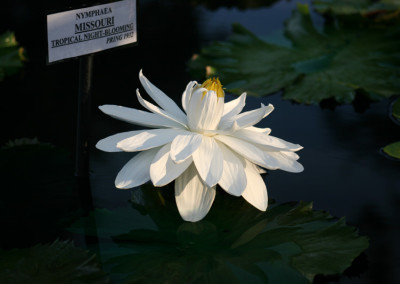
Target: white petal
(234, 107)
(229, 131)
(149, 138)
(291, 155)
(233, 179)
(136, 171)
(163, 170)
(209, 161)
(157, 110)
(160, 98)
(109, 144)
(256, 191)
(272, 143)
(249, 151)
(252, 117)
(261, 170)
(184, 145)
(137, 117)
(187, 94)
(204, 111)
(193, 197)
(248, 118)
(257, 129)
(286, 163)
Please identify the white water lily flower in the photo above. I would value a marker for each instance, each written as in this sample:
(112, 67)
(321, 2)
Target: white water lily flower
(210, 143)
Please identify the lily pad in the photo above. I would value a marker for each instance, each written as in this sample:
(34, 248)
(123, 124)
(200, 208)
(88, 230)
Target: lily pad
(235, 243)
(363, 7)
(393, 150)
(59, 262)
(11, 55)
(240, 4)
(396, 109)
(344, 58)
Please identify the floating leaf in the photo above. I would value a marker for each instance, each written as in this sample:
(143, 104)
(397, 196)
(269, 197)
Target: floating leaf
(346, 57)
(11, 56)
(393, 150)
(363, 7)
(59, 262)
(396, 109)
(289, 243)
(240, 4)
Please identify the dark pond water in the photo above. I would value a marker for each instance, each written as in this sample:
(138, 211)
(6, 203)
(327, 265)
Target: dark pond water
(344, 172)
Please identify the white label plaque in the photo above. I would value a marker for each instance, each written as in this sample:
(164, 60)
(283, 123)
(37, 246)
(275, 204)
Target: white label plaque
(78, 32)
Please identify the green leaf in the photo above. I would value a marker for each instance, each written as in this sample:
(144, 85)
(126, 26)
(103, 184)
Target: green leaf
(240, 4)
(396, 109)
(393, 150)
(11, 55)
(342, 59)
(59, 262)
(322, 247)
(348, 7)
(289, 241)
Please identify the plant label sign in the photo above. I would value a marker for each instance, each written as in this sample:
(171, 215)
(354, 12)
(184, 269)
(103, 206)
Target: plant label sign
(88, 30)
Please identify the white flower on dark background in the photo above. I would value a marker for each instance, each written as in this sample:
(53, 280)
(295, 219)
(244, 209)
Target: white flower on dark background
(208, 143)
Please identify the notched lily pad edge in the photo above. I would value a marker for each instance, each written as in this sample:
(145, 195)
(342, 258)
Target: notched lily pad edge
(207, 63)
(392, 151)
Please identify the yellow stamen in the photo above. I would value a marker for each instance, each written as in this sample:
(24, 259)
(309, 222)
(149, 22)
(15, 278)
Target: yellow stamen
(213, 84)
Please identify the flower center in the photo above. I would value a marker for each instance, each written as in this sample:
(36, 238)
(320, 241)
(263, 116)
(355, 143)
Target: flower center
(213, 84)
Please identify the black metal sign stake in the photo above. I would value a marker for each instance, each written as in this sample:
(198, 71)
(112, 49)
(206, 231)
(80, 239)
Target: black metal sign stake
(81, 33)
(83, 117)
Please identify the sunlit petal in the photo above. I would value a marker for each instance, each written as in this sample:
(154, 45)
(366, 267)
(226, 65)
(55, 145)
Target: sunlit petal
(249, 151)
(187, 94)
(285, 162)
(184, 145)
(157, 110)
(163, 170)
(138, 117)
(256, 191)
(266, 140)
(291, 155)
(261, 170)
(234, 107)
(209, 161)
(147, 139)
(205, 110)
(249, 118)
(193, 197)
(136, 171)
(257, 129)
(109, 144)
(160, 97)
(233, 179)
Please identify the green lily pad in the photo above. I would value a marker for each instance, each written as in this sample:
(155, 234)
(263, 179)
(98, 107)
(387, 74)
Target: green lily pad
(396, 109)
(393, 150)
(336, 63)
(240, 4)
(235, 243)
(59, 262)
(11, 55)
(348, 7)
